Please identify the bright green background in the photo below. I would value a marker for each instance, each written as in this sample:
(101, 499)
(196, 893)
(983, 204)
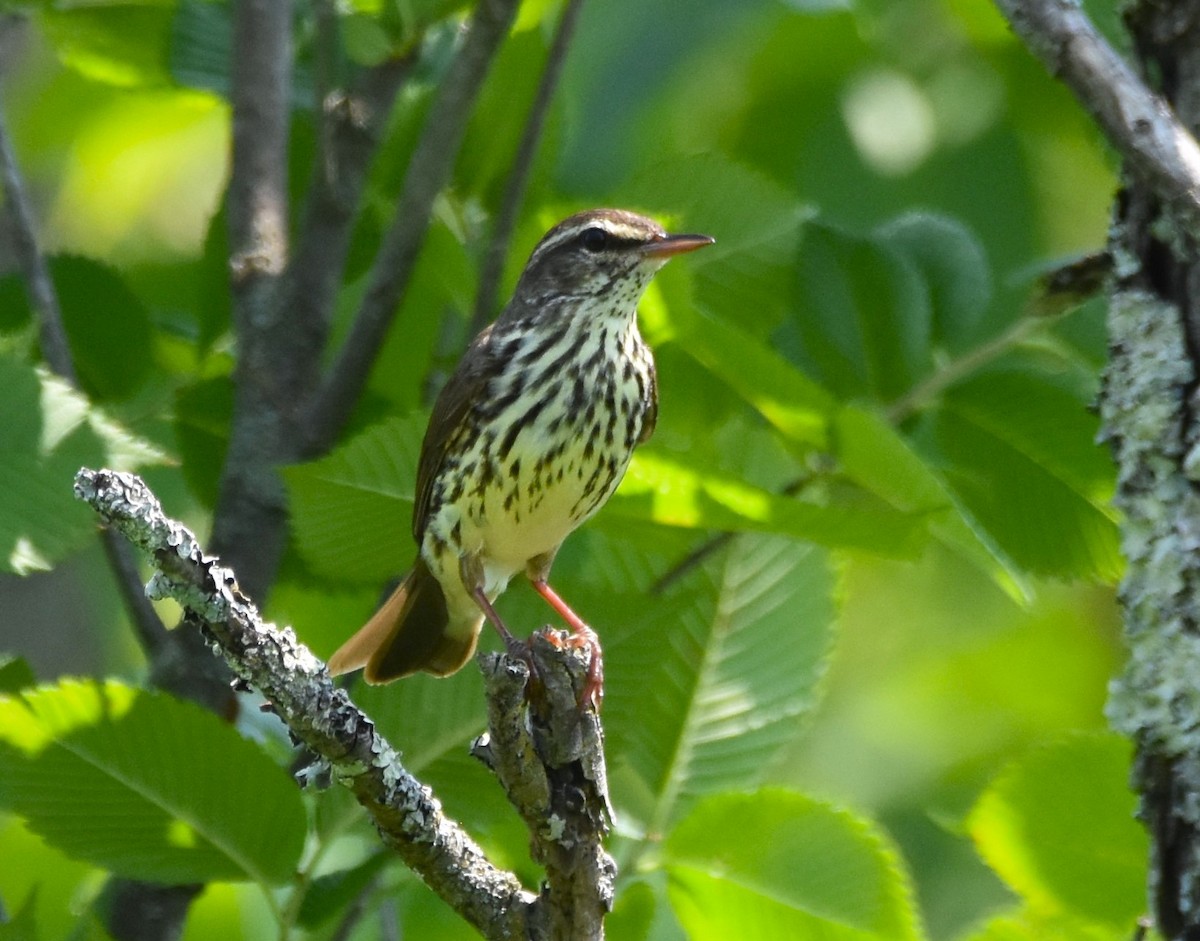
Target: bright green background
(918, 681)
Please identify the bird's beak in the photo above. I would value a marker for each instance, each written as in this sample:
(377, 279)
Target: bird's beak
(670, 245)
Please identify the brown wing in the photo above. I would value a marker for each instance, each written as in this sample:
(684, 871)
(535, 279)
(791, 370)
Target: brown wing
(449, 410)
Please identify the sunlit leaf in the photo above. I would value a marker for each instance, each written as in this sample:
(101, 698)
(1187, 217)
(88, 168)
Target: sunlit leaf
(717, 675)
(777, 864)
(1059, 827)
(121, 42)
(1028, 925)
(795, 405)
(662, 490)
(50, 431)
(23, 925)
(147, 786)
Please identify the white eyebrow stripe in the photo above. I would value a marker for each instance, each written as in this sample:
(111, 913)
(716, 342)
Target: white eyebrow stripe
(619, 230)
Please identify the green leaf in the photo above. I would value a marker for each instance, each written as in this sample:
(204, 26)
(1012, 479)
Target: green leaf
(716, 676)
(1022, 455)
(107, 326)
(642, 911)
(46, 872)
(793, 404)
(118, 42)
(352, 511)
(428, 717)
(876, 456)
(147, 786)
(23, 926)
(15, 312)
(777, 864)
(863, 317)
(1059, 827)
(332, 893)
(15, 674)
(954, 266)
(743, 278)
(663, 490)
(443, 280)
(201, 45)
(49, 432)
(203, 413)
(1029, 925)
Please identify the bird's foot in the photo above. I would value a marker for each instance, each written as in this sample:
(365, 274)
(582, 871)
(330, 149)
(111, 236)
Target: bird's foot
(584, 637)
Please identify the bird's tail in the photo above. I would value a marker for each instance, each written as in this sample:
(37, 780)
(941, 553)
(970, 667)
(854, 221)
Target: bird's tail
(410, 632)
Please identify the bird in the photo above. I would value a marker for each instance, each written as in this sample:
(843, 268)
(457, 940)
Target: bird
(527, 440)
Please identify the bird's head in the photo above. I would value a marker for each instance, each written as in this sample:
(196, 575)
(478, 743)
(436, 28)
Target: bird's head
(606, 255)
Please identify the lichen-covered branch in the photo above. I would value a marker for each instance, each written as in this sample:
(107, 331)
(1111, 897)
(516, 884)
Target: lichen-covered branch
(549, 758)
(321, 715)
(1158, 148)
(548, 754)
(1156, 700)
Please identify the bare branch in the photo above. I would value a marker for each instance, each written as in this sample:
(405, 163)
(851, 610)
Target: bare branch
(1138, 122)
(260, 73)
(42, 296)
(430, 168)
(518, 177)
(351, 124)
(321, 715)
(248, 526)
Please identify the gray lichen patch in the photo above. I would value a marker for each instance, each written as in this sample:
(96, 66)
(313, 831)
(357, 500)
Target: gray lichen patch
(1145, 418)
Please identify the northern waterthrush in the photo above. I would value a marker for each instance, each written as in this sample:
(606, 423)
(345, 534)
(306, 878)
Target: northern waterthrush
(527, 440)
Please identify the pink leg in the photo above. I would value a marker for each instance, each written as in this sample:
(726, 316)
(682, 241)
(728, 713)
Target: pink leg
(492, 615)
(593, 688)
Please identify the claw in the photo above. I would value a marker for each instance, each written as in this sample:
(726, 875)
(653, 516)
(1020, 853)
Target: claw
(592, 693)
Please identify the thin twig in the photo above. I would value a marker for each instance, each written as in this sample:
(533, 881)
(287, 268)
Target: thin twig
(1138, 122)
(1057, 293)
(57, 353)
(325, 57)
(518, 177)
(428, 172)
(43, 298)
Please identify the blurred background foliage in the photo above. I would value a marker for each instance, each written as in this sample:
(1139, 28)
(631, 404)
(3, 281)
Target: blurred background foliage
(863, 377)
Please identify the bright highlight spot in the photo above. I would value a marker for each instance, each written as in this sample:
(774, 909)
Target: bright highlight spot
(890, 121)
(144, 177)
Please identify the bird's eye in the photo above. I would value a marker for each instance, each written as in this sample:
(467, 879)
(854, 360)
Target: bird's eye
(594, 239)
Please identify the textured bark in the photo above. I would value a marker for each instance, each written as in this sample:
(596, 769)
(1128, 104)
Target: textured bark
(1149, 408)
(1148, 404)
